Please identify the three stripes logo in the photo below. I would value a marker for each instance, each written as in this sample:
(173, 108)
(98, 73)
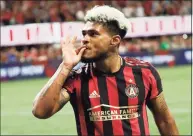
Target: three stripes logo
(94, 94)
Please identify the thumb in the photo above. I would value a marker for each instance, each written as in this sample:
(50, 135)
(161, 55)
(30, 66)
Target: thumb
(81, 52)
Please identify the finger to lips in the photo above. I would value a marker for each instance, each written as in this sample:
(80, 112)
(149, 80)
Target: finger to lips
(78, 50)
(81, 51)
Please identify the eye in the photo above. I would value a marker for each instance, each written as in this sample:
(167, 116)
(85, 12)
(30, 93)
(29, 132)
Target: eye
(92, 33)
(83, 33)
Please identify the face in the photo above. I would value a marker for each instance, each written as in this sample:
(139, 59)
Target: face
(97, 40)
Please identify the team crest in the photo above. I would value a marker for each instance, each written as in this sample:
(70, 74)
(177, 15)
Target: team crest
(132, 91)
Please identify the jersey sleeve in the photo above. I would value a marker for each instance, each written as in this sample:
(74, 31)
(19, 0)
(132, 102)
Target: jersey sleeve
(155, 83)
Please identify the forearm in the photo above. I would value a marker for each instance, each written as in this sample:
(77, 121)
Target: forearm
(54, 85)
(48, 96)
(162, 115)
(51, 98)
(167, 127)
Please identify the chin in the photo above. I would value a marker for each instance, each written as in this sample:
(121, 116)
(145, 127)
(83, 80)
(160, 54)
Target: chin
(87, 60)
(93, 59)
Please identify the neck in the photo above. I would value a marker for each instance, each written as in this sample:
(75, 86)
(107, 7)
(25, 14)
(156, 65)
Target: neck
(111, 64)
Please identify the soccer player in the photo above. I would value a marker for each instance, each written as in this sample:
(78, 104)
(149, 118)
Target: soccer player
(109, 94)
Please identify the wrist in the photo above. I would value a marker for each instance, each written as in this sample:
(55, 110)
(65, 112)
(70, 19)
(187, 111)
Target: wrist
(66, 70)
(67, 66)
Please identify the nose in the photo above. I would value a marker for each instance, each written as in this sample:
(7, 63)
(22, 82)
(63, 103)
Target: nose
(84, 41)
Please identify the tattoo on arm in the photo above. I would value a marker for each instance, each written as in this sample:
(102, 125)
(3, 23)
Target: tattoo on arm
(158, 104)
(163, 106)
(61, 102)
(64, 97)
(163, 118)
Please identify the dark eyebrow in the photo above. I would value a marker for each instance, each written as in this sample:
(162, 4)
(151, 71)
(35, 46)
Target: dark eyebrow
(91, 30)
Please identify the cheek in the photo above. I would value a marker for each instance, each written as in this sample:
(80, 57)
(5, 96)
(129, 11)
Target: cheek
(101, 44)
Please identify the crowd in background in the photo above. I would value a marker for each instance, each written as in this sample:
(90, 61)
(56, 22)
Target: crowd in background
(29, 53)
(154, 44)
(39, 11)
(42, 52)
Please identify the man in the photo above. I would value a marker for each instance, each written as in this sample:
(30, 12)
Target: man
(109, 94)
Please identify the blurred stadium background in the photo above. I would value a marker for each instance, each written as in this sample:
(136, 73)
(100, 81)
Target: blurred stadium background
(30, 34)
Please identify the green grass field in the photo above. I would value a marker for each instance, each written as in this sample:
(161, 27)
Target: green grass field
(17, 98)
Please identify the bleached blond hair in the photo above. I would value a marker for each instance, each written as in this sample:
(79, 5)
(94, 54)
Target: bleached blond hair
(106, 14)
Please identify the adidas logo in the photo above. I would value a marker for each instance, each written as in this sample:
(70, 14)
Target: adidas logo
(94, 94)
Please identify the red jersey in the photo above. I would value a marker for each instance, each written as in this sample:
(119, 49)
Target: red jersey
(113, 103)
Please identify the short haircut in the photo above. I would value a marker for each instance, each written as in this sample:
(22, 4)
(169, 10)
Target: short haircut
(113, 19)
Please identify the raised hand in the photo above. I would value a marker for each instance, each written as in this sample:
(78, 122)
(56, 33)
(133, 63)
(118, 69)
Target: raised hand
(71, 56)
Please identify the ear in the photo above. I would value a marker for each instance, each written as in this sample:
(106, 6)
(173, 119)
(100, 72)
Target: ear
(115, 40)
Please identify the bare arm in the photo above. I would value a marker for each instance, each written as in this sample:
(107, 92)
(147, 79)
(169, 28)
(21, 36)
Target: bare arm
(163, 118)
(52, 96)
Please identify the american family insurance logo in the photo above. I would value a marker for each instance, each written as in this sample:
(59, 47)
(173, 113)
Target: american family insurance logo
(115, 113)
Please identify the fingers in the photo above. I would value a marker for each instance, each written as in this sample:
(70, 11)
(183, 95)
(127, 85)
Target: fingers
(74, 39)
(67, 41)
(81, 52)
(62, 42)
(78, 49)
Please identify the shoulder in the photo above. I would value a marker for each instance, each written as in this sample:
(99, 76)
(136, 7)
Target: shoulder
(130, 61)
(136, 63)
